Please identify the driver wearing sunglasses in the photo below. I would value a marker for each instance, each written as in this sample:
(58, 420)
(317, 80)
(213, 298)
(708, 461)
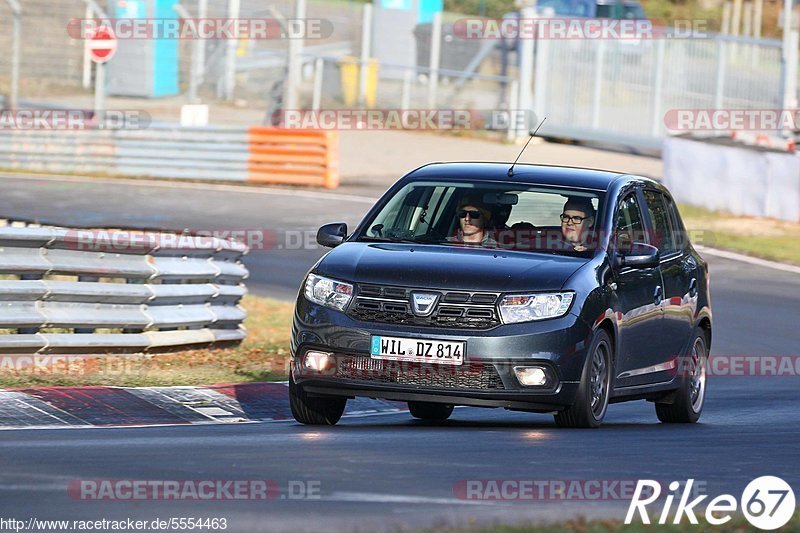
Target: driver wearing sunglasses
(473, 220)
(577, 219)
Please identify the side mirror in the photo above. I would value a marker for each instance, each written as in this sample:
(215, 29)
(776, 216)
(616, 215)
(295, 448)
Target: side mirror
(640, 255)
(332, 235)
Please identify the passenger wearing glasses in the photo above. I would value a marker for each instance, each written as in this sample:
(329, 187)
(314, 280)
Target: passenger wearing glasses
(473, 221)
(577, 219)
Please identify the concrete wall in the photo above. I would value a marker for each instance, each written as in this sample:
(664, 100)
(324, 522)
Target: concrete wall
(740, 180)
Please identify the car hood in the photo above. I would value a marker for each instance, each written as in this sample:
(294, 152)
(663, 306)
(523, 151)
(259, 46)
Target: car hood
(447, 267)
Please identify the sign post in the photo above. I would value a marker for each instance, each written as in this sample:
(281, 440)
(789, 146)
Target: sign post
(102, 47)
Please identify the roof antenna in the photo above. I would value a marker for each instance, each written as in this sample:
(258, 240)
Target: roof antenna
(511, 170)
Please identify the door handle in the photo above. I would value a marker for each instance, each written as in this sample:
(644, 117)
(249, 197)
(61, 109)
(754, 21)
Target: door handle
(658, 295)
(693, 287)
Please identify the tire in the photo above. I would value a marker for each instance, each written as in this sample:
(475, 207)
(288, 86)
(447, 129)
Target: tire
(688, 400)
(314, 410)
(430, 411)
(591, 400)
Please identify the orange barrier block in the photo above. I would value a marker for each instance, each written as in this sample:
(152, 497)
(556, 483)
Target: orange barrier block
(298, 157)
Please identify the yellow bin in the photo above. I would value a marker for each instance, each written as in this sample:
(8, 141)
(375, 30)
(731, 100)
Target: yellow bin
(349, 74)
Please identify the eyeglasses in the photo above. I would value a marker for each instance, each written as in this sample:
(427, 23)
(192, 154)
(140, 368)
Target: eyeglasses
(472, 214)
(566, 219)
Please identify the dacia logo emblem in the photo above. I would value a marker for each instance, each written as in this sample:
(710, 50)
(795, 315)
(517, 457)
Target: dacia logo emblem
(423, 303)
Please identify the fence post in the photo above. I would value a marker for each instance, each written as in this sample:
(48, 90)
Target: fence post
(599, 59)
(366, 52)
(197, 70)
(86, 82)
(15, 52)
(513, 98)
(230, 54)
(436, 45)
(316, 99)
(526, 65)
(719, 93)
(294, 60)
(405, 99)
(658, 87)
(100, 93)
(789, 58)
(540, 87)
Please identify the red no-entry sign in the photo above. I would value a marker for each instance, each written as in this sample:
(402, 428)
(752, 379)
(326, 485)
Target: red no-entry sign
(102, 44)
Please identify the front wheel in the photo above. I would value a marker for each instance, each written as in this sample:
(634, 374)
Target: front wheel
(591, 401)
(688, 400)
(314, 410)
(430, 411)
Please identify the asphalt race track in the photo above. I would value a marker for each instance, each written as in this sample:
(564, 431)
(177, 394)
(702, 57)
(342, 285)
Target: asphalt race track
(388, 471)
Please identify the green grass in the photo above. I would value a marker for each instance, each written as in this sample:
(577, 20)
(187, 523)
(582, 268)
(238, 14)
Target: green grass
(263, 356)
(760, 237)
(737, 524)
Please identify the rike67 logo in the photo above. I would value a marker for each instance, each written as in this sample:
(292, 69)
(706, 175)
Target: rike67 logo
(767, 503)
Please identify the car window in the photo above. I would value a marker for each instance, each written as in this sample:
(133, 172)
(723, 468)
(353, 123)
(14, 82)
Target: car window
(521, 217)
(663, 238)
(629, 227)
(678, 230)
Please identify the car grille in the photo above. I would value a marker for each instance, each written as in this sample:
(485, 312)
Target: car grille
(473, 376)
(456, 309)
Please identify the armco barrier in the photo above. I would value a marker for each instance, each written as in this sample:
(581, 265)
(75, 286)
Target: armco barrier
(257, 154)
(312, 155)
(72, 291)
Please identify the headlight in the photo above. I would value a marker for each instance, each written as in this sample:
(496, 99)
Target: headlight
(328, 292)
(527, 307)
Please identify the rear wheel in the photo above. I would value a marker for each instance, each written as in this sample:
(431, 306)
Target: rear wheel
(591, 401)
(687, 402)
(314, 410)
(430, 411)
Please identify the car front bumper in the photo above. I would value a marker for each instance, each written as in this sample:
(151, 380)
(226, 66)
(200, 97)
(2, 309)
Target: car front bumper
(486, 379)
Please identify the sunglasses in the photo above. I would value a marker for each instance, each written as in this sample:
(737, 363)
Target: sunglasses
(572, 220)
(472, 214)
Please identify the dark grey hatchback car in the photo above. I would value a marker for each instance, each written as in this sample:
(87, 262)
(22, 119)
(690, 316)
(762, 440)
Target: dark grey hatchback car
(542, 289)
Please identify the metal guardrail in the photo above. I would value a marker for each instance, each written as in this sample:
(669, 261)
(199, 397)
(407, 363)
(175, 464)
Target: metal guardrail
(144, 294)
(161, 151)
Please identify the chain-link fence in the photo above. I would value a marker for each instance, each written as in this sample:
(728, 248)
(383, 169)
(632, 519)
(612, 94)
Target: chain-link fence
(621, 91)
(589, 89)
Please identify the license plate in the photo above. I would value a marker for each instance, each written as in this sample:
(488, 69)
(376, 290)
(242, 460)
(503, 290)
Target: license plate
(419, 350)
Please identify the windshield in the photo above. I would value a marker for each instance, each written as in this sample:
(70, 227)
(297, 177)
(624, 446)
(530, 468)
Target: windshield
(518, 217)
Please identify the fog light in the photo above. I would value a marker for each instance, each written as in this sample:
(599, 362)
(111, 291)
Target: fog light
(319, 361)
(531, 376)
